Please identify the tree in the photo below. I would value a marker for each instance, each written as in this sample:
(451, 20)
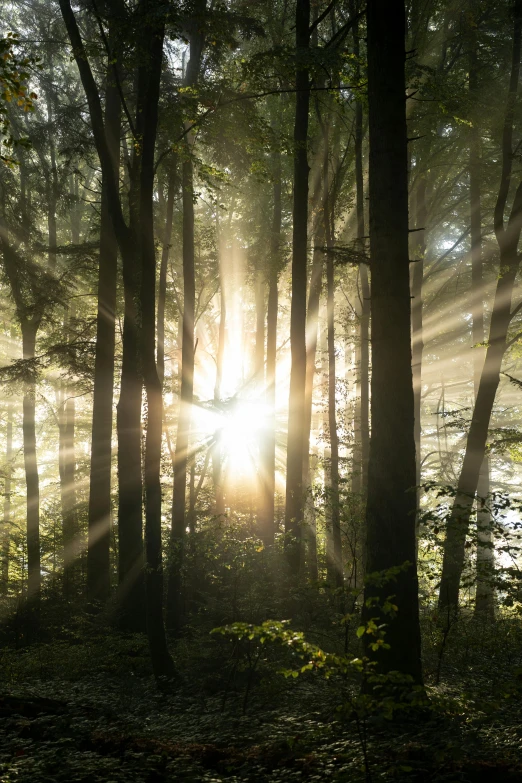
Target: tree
(390, 514)
(136, 251)
(507, 235)
(98, 549)
(295, 445)
(177, 535)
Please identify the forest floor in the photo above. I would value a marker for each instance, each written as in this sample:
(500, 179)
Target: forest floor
(89, 712)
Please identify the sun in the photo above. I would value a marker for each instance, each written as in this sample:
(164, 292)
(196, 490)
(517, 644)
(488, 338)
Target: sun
(240, 431)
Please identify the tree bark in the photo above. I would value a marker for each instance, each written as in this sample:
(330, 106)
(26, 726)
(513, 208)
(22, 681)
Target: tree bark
(99, 518)
(417, 276)
(390, 514)
(178, 529)
(267, 508)
(508, 236)
(162, 288)
(217, 452)
(295, 444)
(67, 470)
(484, 596)
(149, 78)
(5, 538)
(312, 327)
(334, 564)
(362, 414)
(34, 579)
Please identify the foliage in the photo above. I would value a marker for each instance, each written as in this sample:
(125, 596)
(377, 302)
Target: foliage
(14, 91)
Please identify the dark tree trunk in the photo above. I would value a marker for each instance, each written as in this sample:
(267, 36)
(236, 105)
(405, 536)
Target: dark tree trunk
(67, 470)
(417, 344)
(178, 529)
(484, 597)
(508, 236)
(99, 519)
(131, 596)
(34, 580)
(162, 288)
(362, 414)
(334, 564)
(148, 97)
(174, 597)
(390, 515)
(295, 444)
(312, 326)
(217, 455)
(267, 507)
(5, 538)
(259, 349)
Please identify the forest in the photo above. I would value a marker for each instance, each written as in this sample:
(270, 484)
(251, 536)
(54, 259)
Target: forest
(260, 391)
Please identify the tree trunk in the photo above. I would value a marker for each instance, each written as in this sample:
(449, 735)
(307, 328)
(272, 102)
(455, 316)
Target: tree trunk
(484, 596)
(508, 236)
(267, 507)
(178, 529)
(174, 600)
(131, 585)
(217, 455)
(99, 515)
(362, 414)
(419, 250)
(259, 349)
(67, 470)
(312, 326)
(148, 97)
(390, 515)
(34, 579)
(334, 564)
(162, 289)
(295, 444)
(5, 538)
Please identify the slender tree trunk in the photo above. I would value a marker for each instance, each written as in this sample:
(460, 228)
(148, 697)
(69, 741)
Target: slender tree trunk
(267, 508)
(259, 349)
(217, 455)
(178, 529)
(484, 597)
(5, 538)
(334, 564)
(131, 586)
(162, 289)
(295, 444)
(362, 415)
(390, 515)
(99, 514)
(327, 452)
(67, 469)
(508, 236)
(174, 600)
(419, 250)
(148, 98)
(312, 327)
(34, 579)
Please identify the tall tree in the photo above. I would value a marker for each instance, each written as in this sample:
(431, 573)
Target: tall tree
(268, 446)
(484, 597)
(507, 235)
(174, 606)
(390, 515)
(136, 246)
(295, 445)
(99, 519)
(362, 368)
